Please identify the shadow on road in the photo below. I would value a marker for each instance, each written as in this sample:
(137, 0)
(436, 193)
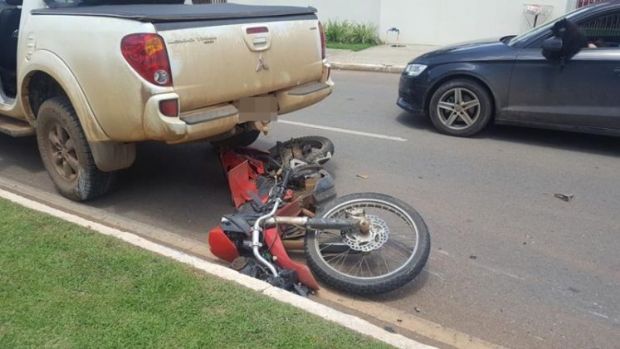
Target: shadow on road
(418, 121)
(181, 188)
(581, 142)
(20, 152)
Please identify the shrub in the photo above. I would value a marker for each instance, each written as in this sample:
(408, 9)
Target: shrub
(364, 34)
(337, 31)
(346, 32)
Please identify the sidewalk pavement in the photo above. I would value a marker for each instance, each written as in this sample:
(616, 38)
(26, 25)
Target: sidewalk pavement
(382, 58)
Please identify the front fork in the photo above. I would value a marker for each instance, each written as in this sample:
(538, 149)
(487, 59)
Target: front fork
(357, 222)
(360, 223)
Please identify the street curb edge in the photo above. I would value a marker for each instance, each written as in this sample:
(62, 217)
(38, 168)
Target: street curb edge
(350, 322)
(379, 68)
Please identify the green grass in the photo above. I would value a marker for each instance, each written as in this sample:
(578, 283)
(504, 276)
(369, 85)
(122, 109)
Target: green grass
(352, 47)
(64, 286)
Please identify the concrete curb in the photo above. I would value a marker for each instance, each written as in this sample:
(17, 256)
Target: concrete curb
(378, 68)
(348, 321)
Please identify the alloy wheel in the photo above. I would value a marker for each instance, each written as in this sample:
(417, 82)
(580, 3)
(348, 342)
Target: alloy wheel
(62, 152)
(459, 108)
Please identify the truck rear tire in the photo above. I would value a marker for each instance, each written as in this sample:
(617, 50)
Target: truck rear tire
(66, 154)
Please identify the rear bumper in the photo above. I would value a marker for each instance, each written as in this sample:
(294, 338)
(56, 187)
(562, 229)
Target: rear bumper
(303, 96)
(220, 119)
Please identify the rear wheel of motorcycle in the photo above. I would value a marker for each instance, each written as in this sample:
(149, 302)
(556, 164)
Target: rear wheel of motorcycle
(311, 150)
(343, 262)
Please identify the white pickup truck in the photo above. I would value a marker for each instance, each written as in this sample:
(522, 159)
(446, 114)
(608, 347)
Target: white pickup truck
(91, 78)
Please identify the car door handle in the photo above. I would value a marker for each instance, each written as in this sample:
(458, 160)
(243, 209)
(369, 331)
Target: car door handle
(617, 70)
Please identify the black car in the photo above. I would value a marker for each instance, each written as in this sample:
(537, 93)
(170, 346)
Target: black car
(562, 75)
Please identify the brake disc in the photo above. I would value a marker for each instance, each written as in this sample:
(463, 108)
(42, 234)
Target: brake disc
(377, 236)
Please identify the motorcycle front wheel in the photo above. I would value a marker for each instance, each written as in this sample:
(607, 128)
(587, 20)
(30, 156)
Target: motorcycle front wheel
(389, 256)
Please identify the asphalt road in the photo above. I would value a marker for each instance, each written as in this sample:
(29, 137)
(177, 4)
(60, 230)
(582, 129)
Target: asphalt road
(510, 263)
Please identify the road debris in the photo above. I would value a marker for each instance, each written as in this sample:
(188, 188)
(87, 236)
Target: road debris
(565, 197)
(389, 329)
(362, 176)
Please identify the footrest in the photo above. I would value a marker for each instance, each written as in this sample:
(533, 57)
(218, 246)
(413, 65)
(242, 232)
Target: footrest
(15, 128)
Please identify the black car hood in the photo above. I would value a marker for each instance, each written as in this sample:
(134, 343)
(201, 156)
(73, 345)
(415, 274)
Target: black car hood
(469, 51)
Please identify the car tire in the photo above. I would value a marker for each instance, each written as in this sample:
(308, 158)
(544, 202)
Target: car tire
(461, 108)
(66, 154)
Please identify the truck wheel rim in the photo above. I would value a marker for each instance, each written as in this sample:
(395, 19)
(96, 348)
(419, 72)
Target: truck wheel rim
(458, 108)
(62, 152)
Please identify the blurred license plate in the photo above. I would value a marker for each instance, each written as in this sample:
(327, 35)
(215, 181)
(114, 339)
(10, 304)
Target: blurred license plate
(258, 109)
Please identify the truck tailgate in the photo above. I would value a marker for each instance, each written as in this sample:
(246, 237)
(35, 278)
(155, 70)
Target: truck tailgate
(214, 64)
(224, 52)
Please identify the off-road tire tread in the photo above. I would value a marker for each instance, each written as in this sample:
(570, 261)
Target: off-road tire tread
(327, 146)
(92, 182)
(374, 287)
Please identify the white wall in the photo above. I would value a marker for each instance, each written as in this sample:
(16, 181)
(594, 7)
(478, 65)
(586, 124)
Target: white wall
(448, 21)
(363, 11)
(434, 22)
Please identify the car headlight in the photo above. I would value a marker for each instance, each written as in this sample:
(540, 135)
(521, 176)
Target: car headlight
(415, 69)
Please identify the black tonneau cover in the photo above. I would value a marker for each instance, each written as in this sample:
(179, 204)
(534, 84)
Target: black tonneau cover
(156, 13)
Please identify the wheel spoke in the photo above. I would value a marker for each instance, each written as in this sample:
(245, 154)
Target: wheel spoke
(60, 134)
(452, 118)
(471, 104)
(466, 118)
(458, 96)
(73, 162)
(447, 106)
(357, 258)
(357, 265)
(387, 265)
(53, 137)
(69, 146)
(57, 157)
(68, 171)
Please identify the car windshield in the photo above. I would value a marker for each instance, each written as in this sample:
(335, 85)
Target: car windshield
(525, 37)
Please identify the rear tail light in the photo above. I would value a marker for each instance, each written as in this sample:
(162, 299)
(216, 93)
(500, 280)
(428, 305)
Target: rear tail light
(169, 107)
(323, 41)
(147, 55)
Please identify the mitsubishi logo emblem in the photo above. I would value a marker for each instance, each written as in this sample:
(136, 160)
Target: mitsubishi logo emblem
(261, 64)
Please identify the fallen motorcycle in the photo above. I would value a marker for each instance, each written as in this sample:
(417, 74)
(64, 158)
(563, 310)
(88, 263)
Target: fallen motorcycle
(361, 243)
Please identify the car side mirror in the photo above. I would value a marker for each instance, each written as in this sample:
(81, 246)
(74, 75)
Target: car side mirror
(552, 45)
(568, 39)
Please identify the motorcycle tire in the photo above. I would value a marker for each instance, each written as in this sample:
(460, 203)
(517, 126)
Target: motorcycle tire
(311, 150)
(342, 280)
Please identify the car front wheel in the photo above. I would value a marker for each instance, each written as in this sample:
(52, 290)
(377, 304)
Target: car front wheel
(460, 108)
